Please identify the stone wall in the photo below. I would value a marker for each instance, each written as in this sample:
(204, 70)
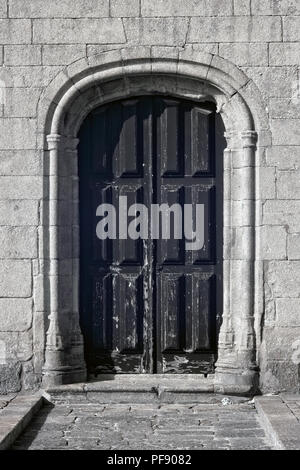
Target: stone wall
(38, 39)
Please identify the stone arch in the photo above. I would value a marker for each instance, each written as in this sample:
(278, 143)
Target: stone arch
(186, 73)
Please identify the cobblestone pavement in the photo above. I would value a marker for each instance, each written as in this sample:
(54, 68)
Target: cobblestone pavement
(144, 426)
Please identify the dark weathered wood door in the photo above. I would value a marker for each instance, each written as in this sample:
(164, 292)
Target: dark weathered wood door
(149, 305)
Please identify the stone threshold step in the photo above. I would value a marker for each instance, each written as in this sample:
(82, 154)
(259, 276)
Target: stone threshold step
(140, 383)
(132, 388)
(16, 416)
(280, 424)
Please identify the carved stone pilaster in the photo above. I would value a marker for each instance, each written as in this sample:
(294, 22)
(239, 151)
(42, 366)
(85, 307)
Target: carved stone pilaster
(64, 361)
(76, 338)
(236, 369)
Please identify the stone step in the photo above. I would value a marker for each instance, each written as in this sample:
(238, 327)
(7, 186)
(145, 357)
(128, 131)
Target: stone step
(132, 388)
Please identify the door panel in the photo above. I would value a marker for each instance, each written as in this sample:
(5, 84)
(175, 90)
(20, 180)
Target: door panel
(151, 305)
(186, 317)
(115, 161)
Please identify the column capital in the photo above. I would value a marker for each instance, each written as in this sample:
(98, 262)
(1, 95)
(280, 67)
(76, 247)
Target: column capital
(71, 143)
(231, 140)
(54, 141)
(249, 138)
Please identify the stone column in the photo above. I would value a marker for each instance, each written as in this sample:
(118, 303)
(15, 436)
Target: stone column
(236, 369)
(62, 361)
(76, 338)
(226, 336)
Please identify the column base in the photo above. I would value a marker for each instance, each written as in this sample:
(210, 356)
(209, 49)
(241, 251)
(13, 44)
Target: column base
(232, 381)
(63, 376)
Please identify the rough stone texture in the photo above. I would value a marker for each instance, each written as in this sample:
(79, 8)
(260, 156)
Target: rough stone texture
(284, 53)
(280, 418)
(278, 376)
(15, 213)
(39, 40)
(15, 314)
(241, 7)
(187, 8)
(274, 82)
(284, 277)
(22, 55)
(273, 242)
(275, 7)
(288, 185)
(16, 415)
(168, 31)
(10, 378)
(58, 9)
(124, 8)
(28, 77)
(21, 102)
(285, 132)
(245, 54)
(293, 246)
(72, 31)
(18, 242)
(5, 400)
(284, 157)
(3, 8)
(282, 212)
(62, 54)
(237, 29)
(293, 403)
(132, 426)
(291, 306)
(15, 278)
(17, 133)
(20, 162)
(279, 341)
(291, 28)
(21, 187)
(18, 346)
(286, 109)
(15, 31)
(267, 182)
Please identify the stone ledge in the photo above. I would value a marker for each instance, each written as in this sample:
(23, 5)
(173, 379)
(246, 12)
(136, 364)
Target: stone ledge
(141, 389)
(6, 399)
(279, 423)
(16, 416)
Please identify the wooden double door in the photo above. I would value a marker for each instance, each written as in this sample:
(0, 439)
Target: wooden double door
(150, 305)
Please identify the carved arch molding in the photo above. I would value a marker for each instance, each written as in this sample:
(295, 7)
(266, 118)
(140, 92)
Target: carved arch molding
(185, 73)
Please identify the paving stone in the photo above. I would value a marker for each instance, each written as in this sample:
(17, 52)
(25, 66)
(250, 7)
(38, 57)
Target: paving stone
(150, 426)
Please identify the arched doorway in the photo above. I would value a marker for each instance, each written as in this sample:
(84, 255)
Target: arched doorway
(151, 305)
(124, 74)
